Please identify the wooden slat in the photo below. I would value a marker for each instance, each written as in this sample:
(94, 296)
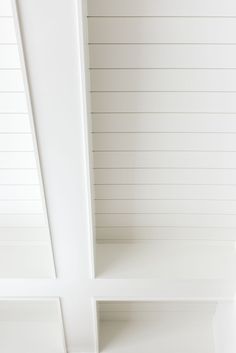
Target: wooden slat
(7, 30)
(13, 103)
(26, 261)
(6, 8)
(161, 30)
(19, 176)
(24, 234)
(163, 80)
(165, 206)
(9, 57)
(163, 102)
(19, 192)
(162, 56)
(159, 192)
(27, 220)
(166, 159)
(14, 123)
(148, 233)
(162, 220)
(11, 80)
(16, 142)
(161, 8)
(18, 160)
(20, 207)
(159, 122)
(164, 176)
(163, 141)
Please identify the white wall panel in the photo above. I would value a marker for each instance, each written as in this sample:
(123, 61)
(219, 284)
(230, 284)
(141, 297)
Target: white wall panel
(9, 57)
(161, 30)
(11, 80)
(163, 102)
(161, 8)
(162, 56)
(163, 80)
(7, 30)
(163, 141)
(168, 159)
(164, 122)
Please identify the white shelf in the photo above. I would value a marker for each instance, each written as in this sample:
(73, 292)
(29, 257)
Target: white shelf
(167, 259)
(166, 327)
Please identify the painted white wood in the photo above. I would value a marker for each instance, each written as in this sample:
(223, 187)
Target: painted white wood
(159, 141)
(24, 234)
(19, 176)
(11, 80)
(9, 57)
(220, 207)
(30, 260)
(16, 142)
(162, 56)
(165, 176)
(23, 220)
(167, 326)
(7, 30)
(165, 220)
(19, 160)
(163, 80)
(32, 325)
(13, 103)
(21, 207)
(163, 102)
(14, 192)
(161, 30)
(164, 122)
(153, 159)
(167, 259)
(183, 192)
(123, 234)
(161, 8)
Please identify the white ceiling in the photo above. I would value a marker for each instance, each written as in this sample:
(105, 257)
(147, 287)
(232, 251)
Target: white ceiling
(115, 228)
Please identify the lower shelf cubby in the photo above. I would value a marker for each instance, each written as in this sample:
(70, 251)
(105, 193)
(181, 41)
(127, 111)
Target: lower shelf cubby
(167, 327)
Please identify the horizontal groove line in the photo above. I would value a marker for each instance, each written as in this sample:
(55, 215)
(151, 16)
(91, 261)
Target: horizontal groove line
(21, 214)
(11, 92)
(163, 132)
(123, 112)
(161, 68)
(161, 43)
(165, 213)
(162, 91)
(10, 69)
(165, 151)
(162, 168)
(24, 185)
(166, 184)
(136, 113)
(173, 227)
(15, 133)
(164, 16)
(9, 44)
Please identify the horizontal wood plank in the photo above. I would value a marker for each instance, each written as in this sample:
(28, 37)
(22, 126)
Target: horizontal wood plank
(19, 176)
(163, 80)
(21, 207)
(7, 30)
(166, 192)
(19, 160)
(161, 8)
(164, 176)
(163, 102)
(16, 142)
(153, 159)
(163, 141)
(14, 124)
(162, 220)
(19, 192)
(162, 56)
(11, 80)
(9, 57)
(161, 30)
(165, 206)
(13, 103)
(167, 232)
(163, 122)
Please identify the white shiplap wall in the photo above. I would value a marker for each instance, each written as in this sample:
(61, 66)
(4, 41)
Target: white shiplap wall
(163, 92)
(25, 248)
